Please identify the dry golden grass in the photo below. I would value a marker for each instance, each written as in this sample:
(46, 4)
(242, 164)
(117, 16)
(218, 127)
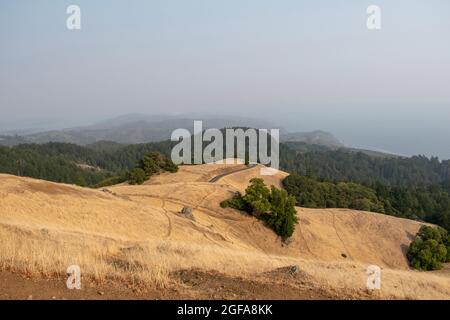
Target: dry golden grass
(135, 234)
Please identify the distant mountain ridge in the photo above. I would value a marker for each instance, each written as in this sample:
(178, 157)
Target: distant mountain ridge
(139, 128)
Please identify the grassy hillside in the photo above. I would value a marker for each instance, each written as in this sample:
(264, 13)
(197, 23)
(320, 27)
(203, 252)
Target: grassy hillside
(414, 187)
(137, 234)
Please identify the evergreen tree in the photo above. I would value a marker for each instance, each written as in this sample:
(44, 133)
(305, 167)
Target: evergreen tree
(257, 196)
(430, 249)
(137, 176)
(283, 216)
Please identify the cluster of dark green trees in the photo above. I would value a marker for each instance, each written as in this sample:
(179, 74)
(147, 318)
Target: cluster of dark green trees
(151, 163)
(430, 249)
(96, 165)
(54, 162)
(348, 165)
(311, 193)
(427, 203)
(273, 206)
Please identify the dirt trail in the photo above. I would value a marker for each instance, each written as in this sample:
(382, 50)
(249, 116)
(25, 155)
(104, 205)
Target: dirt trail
(186, 284)
(220, 176)
(169, 230)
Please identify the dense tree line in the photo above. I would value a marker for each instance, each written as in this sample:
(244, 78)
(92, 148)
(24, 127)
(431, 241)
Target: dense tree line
(81, 165)
(30, 161)
(346, 165)
(428, 203)
(317, 161)
(310, 193)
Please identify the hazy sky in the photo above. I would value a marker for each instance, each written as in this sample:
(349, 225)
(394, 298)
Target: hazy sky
(304, 64)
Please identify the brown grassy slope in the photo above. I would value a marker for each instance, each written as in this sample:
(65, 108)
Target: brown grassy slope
(135, 233)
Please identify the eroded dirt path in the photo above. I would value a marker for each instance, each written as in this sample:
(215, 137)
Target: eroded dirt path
(186, 284)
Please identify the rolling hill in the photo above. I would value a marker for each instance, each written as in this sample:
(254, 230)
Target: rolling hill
(137, 236)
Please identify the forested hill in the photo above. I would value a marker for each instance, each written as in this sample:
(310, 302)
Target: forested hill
(70, 163)
(88, 165)
(428, 203)
(347, 165)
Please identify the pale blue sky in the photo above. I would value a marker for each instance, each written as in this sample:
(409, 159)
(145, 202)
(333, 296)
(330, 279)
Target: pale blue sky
(304, 64)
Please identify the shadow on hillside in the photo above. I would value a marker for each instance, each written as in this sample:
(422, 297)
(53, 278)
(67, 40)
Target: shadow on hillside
(404, 249)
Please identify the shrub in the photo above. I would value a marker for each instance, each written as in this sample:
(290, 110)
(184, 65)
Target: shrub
(170, 166)
(237, 202)
(150, 164)
(430, 249)
(110, 181)
(257, 197)
(137, 176)
(282, 217)
(426, 255)
(273, 206)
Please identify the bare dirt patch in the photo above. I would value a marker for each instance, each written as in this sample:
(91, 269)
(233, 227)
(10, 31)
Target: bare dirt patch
(186, 284)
